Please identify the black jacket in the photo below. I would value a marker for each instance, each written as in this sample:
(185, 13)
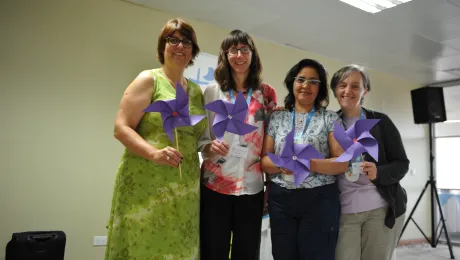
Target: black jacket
(391, 167)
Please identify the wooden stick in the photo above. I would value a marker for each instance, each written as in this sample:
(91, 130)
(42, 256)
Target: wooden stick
(177, 147)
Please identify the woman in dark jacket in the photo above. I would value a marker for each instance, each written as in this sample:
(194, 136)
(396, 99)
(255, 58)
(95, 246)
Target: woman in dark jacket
(372, 200)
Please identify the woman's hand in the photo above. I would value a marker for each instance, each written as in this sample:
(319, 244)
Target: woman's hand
(267, 187)
(167, 156)
(286, 171)
(370, 169)
(279, 109)
(219, 148)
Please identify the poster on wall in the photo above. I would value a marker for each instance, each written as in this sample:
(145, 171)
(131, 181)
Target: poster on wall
(202, 72)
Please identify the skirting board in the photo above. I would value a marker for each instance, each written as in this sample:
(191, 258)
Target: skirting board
(410, 242)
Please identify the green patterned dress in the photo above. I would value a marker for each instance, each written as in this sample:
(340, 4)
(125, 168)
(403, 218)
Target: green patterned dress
(155, 214)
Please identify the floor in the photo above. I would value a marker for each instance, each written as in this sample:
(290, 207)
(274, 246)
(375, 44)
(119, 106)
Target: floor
(426, 252)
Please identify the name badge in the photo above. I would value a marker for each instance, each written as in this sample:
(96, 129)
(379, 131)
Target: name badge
(236, 139)
(353, 172)
(288, 177)
(239, 151)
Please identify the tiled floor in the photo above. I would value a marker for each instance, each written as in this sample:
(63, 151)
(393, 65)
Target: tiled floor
(426, 252)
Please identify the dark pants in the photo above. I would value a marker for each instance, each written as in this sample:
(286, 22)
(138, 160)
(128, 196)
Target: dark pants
(222, 215)
(304, 222)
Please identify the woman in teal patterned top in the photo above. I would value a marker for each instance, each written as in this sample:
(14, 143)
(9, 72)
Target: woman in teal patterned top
(155, 212)
(304, 219)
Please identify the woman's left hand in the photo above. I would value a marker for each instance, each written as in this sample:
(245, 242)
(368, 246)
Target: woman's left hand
(370, 169)
(267, 187)
(279, 109)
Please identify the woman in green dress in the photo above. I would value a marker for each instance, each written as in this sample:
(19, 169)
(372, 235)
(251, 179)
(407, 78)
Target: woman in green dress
(155, 211)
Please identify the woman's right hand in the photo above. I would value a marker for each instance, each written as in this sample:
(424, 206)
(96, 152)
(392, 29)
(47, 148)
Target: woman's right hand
(167, 156)
(219, 148)
(286, 171)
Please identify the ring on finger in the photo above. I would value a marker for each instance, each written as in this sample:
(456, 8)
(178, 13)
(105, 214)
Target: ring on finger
(167, 158)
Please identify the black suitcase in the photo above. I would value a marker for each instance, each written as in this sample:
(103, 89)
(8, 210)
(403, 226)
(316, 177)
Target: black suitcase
(45, 245)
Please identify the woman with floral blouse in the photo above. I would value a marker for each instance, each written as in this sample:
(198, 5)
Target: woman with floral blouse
(232, 194)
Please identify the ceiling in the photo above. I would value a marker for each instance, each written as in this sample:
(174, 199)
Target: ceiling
(418, 40)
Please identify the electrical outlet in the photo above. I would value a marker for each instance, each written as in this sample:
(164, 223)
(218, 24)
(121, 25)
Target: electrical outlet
(100, 241)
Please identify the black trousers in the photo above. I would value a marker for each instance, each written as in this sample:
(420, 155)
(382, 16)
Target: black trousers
(222, 215)
(304, 222)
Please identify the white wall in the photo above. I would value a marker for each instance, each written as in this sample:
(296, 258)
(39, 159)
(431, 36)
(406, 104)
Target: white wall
(63, 68)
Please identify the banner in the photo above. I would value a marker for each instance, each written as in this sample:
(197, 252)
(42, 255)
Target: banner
(202, 72)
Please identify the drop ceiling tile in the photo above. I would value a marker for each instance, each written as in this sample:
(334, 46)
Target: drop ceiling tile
(191, 9)
(448, 51)
(139, 2)
(454, 43)
(239, 16)
(404, 41)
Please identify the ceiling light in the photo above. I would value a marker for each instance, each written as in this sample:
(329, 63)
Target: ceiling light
(374, 6)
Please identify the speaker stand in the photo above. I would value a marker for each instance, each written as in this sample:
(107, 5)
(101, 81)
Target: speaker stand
(434, 194)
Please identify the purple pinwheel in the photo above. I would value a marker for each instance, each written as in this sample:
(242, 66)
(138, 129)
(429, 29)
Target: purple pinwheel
(230, 117)
(357, 140)
(175, 112)
(296, 158)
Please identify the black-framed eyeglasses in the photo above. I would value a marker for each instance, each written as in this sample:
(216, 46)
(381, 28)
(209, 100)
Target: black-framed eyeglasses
(243, 50)
(303, 81)
(175, 41)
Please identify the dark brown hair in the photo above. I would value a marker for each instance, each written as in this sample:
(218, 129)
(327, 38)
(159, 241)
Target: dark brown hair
(322, 99)
(183, 28)
(223, 73)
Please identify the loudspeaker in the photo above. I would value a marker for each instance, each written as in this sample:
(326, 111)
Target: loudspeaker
(428, 105)
(42, 245)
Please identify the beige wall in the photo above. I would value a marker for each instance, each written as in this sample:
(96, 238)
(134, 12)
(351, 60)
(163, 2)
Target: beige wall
(63, 68)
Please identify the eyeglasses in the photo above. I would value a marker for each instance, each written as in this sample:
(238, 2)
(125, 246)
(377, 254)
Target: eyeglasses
(234, 51)
(175, 41)
(304, 81)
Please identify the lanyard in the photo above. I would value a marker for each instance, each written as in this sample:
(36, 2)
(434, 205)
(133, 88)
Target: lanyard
(248, 99)
(307, 121)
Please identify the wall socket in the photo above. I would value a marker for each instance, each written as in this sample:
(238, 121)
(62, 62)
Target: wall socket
(100, 241)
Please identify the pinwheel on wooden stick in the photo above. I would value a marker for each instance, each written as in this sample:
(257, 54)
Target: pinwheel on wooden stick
(175, 113)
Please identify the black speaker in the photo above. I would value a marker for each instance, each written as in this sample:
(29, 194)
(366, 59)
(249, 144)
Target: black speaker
(46, 245)
(428, 105)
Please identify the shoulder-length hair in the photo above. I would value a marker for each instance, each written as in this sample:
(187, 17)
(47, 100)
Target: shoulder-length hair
(223, 72)
(322, 100)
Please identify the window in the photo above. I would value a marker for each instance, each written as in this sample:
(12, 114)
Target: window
(446, 162)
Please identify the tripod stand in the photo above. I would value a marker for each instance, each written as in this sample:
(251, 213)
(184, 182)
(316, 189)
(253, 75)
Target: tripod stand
(434, 194)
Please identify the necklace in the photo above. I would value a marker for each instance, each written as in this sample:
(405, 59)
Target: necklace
(300, 119)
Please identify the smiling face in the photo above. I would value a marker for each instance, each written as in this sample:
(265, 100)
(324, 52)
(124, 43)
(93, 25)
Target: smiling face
(177, 52)
(240, 57)
(306, 86)
(350, 91)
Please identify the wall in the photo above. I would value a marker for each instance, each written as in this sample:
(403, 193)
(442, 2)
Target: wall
(63, 68)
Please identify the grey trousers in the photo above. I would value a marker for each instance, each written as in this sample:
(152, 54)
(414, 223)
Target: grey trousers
(364, 236)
